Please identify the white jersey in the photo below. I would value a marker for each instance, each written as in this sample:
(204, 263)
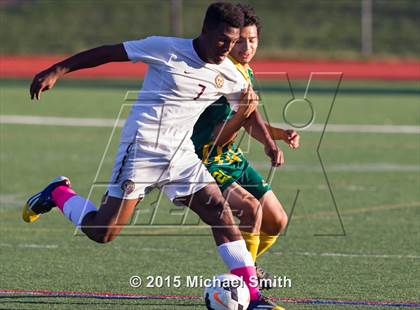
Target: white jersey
(177, 88)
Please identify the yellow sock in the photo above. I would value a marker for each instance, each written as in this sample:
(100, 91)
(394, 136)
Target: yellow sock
(252, 242)
(266, 241)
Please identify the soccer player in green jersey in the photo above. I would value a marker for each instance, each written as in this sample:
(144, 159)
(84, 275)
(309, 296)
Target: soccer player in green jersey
(262, 217)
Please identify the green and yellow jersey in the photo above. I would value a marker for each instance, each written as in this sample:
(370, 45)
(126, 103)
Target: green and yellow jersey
(218, 112)
(226, 163)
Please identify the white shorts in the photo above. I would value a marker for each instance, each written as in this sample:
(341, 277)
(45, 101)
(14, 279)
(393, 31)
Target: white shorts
(139, 168)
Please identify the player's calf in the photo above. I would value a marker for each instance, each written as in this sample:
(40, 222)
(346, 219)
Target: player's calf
(275, 219)
(249, 213)
(106, 224)
(278, 223)
(101, 225)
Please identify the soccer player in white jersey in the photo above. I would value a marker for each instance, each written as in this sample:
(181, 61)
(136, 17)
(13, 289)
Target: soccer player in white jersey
(262, 217)
(184, 77)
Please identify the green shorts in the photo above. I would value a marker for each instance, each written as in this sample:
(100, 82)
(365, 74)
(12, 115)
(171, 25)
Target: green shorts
(240, 172)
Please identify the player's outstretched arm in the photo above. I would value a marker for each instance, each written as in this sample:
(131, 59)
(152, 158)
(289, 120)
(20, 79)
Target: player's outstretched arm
(46, 79)
(289, 136)
(255, 126)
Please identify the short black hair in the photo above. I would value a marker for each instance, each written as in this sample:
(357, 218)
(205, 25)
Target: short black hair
(223, 12)
(250, 18)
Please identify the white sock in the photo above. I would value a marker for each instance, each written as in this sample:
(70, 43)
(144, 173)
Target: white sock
(76, 208)
(235, 254)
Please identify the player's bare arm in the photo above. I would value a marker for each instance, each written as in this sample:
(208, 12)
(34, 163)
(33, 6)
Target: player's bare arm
(255, 126)
(46, 79)
(227, 131)
(288, 136)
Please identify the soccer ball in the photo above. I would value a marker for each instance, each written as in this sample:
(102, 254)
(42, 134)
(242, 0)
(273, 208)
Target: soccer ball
(226, 292)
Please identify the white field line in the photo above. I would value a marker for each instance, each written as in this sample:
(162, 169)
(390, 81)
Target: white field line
(58, 121)
(29, 245)
(325, 254)
(341, 128)
(103, 122)
(11, 200)
(351, 255)
(148, 249)
(367, 167)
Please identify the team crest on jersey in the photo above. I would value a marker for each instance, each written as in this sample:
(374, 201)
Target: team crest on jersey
(128, 187)
(219, 80)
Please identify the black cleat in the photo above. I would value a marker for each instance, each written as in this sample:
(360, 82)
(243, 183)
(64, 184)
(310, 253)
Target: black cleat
(265, 279)
(41, 202)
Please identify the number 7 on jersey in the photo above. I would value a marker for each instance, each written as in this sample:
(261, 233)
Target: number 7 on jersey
(203, 87)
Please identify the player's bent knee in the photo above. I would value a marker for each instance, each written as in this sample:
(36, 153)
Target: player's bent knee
(251, 211)
(281, 221)
(221, 214)
(212, 207)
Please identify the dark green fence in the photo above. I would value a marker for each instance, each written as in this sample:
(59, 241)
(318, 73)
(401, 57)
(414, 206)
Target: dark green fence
(290, 28)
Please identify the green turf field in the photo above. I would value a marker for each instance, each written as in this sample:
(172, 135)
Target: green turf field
(374, 177)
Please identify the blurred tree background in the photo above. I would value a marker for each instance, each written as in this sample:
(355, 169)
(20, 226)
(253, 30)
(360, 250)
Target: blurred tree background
(291, 29)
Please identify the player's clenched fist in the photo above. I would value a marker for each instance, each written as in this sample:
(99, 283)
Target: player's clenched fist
(292, 138)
